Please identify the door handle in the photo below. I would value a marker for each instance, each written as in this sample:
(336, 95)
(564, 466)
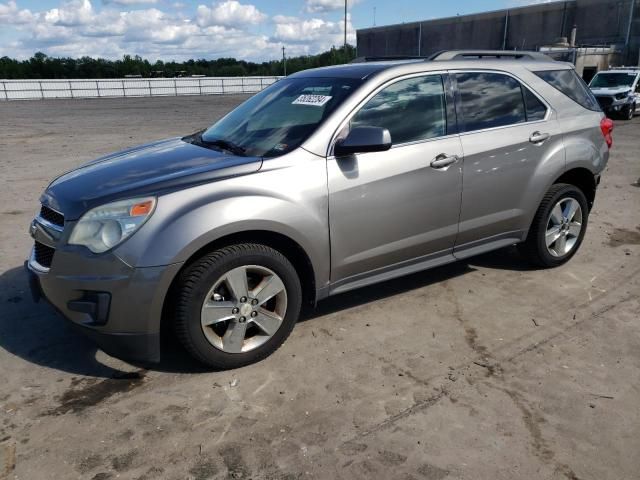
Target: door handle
(443, 161)
(538, 137)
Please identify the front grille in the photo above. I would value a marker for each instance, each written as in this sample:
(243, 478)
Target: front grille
(52, 216)
(605, 102)
(43, 254)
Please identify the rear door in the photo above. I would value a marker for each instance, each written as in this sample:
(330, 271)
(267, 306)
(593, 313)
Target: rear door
(507, 132)
(394, 208)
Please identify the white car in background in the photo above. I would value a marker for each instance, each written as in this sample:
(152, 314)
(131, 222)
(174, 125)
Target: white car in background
(617, 91)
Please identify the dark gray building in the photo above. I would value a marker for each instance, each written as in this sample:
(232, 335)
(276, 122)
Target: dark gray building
(597, 22)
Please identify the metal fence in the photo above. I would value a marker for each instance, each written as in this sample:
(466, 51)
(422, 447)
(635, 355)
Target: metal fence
(130, 87)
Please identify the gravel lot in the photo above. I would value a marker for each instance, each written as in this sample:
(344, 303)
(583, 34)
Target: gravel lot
(479, 370)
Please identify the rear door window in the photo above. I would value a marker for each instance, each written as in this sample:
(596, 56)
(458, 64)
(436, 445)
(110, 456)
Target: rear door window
(569, 83)
(489, 100)
(412, 110)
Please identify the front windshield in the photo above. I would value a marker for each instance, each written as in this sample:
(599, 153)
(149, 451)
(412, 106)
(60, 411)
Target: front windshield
(281, 117)
(612, 80)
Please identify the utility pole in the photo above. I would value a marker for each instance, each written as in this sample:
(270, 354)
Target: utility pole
(345, 25)
(284, 62)
(628, 36)
(374, 16)
(506, 31)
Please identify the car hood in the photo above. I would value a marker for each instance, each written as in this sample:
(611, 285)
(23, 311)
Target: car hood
(144, 170)
(610, 91)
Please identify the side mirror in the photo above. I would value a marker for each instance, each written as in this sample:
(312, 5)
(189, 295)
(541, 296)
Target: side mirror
(363, 139)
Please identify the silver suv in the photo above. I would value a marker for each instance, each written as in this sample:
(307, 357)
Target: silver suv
(327, 181)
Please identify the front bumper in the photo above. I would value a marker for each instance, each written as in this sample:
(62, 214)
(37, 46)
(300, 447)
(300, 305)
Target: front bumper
(117, 306)
(615, 108)
(613, 105)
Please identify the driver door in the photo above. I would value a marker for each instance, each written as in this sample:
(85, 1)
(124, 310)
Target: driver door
(397, 211)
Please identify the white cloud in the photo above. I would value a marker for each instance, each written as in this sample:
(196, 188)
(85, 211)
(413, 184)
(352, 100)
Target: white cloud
(316, 33)
(324, 6)
(230, 13)
(71, 13)
(277, 19)
(11, 15)
(108, 29)
(129, 2)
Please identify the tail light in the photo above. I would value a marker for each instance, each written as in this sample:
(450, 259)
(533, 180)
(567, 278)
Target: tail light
(606, 125)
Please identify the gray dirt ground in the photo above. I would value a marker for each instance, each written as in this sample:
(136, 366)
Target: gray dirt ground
(479, 370)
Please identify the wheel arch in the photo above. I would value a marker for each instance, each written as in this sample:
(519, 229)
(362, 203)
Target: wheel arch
(579, 176)
(291, 249)
(582, 178)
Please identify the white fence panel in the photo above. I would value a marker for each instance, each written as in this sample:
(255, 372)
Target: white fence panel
(130, 87)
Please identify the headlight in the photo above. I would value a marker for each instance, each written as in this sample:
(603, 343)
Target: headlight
(104, 227)
(621, 96)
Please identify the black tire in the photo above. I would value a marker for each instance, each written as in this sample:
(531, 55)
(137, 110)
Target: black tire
(534, 248)
(197, 279)
(627, 112)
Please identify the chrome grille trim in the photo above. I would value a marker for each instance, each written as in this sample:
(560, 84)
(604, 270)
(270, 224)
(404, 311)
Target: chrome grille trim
(51, 217)
(45, 223)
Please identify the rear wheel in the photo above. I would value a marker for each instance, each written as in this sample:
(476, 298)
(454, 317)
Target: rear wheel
(558, 226)
(237, 305)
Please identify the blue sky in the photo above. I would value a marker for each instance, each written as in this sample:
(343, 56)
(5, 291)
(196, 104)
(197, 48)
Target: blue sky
(182, 29)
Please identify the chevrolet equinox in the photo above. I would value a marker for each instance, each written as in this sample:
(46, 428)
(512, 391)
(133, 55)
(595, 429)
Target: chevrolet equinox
(329, 180)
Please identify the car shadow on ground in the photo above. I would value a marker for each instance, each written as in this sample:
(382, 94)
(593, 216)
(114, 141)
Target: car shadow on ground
(38, 334)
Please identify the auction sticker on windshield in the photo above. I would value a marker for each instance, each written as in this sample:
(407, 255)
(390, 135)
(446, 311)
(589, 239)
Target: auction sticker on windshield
(315, 100)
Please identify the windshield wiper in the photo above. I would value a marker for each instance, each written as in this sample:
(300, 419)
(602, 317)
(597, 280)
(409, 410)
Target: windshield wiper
(225, 145)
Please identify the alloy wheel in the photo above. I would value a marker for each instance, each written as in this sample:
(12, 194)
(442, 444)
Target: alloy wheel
(563, 227)
(244, 309)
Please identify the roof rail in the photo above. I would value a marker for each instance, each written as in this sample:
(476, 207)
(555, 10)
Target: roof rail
(388, 58)
(480, 54)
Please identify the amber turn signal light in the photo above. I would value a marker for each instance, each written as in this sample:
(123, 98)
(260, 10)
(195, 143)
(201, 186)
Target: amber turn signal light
(140, 209)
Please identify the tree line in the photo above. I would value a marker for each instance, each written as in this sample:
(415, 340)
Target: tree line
(43, 66)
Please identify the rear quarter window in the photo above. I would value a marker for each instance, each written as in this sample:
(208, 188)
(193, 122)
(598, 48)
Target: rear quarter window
(536, 110)
(569, 83)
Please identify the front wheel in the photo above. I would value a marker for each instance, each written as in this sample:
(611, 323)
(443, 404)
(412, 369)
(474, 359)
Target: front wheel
(558, 227)
(628, 111)
(237, 305)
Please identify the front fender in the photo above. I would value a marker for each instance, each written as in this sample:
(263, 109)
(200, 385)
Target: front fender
(291, 201)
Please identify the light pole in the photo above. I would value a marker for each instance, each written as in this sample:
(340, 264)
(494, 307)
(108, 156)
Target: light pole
(345, 25)
(284, 62)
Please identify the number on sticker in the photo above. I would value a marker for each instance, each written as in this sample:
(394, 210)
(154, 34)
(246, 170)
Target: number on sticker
(315, 100)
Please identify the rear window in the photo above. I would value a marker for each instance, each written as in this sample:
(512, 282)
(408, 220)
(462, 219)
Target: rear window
(569, 83)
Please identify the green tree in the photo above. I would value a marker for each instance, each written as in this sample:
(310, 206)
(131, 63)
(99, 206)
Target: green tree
(43, 66)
